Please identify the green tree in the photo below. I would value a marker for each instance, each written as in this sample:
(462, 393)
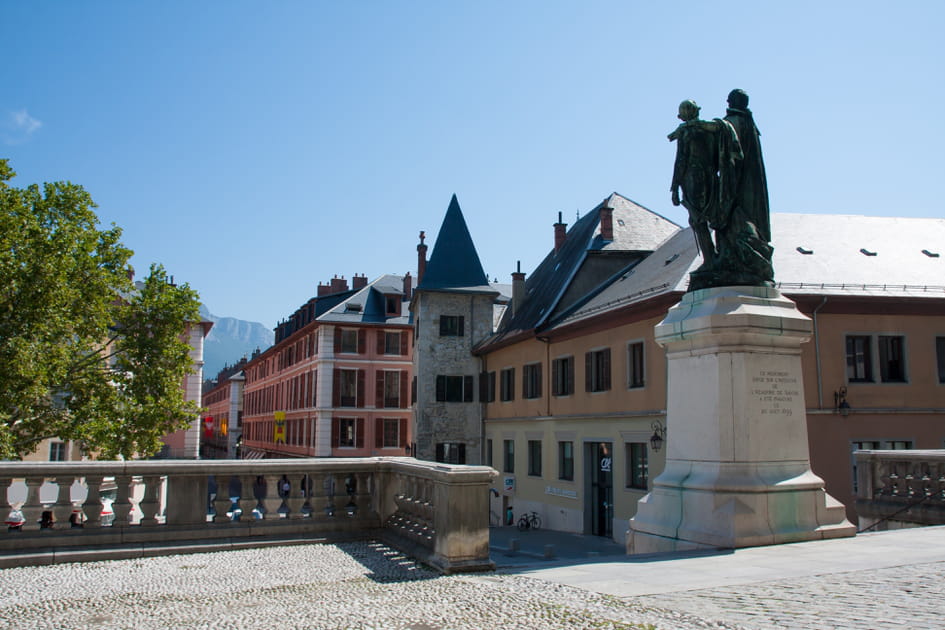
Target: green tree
(86, 353)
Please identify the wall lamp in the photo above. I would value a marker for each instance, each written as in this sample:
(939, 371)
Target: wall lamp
(658, 437)
(840, 404)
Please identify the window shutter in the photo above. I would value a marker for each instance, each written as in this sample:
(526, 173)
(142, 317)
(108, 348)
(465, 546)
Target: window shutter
(361, 341)
(379, 433)
(336, 388)
(483, 387)
(588, 369)
(555, 368)
(360, 396)
(314, 388)
(413, 390)
(403, 404)
(569, 376)
(467, 389)
(335, 431)
(402, 437)
(440, 388)
(359, 433)
(462, 454)
(461, 332)
(380, 341)
(404, 340)
(439, 452)
(379, 389)
(538, 381)
(337, 340)
(605, 369)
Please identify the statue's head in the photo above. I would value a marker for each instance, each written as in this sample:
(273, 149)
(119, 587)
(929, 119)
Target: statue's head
(688, 110)
(738, 99)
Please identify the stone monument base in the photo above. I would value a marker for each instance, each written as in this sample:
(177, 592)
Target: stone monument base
(738, 465)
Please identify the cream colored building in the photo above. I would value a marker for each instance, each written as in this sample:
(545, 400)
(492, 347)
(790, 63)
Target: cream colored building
(582, 390)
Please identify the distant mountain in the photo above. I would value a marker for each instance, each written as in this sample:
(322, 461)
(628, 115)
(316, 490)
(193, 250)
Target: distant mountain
(229, 340)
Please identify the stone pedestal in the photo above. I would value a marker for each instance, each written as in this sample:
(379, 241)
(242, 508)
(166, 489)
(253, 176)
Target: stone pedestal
(737, 462)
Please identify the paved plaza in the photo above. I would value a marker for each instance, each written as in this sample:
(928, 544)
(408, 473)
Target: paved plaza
(885, 580)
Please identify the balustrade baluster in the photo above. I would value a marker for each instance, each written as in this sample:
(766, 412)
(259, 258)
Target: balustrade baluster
(150, 504)
(222, 502)
(248, 500)
(272, 501)
(5, 506)
(32, 509)
(295, 499)
(93, 502)
(121, 507)
(62, 510)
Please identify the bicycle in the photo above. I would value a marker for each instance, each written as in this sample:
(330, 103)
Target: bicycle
(529, 521)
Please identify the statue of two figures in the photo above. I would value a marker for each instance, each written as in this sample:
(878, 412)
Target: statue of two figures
(722, 177)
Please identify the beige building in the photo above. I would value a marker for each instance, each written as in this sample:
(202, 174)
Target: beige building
(578, 417)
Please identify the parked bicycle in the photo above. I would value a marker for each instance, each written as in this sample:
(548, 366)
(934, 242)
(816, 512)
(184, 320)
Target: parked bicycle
(529, 520)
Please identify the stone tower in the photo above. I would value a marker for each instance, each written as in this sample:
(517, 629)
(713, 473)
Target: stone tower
(452, 311)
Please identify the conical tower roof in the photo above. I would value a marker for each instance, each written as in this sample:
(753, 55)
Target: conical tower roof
(454, 263)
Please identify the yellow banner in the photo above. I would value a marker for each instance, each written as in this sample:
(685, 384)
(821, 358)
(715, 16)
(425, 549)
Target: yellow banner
(278, 434)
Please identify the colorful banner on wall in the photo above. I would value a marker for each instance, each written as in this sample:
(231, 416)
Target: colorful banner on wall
(278, 433)
(208, 426)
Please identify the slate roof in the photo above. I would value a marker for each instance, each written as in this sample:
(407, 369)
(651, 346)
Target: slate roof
(454, 264)
(584, 263)
(836, 265)
(368, 304)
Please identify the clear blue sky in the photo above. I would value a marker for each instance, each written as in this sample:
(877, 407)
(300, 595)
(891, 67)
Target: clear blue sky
(256, 149)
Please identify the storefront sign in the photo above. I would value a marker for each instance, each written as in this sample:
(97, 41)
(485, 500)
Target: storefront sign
(561, 492)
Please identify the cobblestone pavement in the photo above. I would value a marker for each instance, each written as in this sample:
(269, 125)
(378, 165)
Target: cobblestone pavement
(352, 585)
(910, 596)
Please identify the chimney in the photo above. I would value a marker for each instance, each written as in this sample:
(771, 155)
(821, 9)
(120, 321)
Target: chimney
(339, 284)
(518, 288)
(561, 233)
(323, 289)
(607, 223)
(408, 286)
(421, 258)
(358, 282)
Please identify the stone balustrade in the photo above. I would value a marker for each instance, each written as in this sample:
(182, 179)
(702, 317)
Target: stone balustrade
(436, 512)
(900, 488)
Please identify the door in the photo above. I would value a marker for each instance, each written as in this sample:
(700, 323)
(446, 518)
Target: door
(601, 491)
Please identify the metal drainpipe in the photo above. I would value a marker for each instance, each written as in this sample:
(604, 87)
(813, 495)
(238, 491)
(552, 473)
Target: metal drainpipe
(820, 385)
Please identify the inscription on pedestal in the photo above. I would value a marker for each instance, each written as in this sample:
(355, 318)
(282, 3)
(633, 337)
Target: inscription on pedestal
(775, 391)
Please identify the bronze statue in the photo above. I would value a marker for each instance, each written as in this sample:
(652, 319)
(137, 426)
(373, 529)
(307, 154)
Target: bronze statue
(721, 173)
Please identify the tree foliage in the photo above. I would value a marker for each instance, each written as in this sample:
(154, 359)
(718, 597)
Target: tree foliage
(86, 353)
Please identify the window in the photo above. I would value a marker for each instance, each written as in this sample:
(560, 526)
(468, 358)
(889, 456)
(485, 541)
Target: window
(562, 376)
(859, 363)
(451, 326)
(454, 388)
(391, 389)
(861, 446)
(487, 387)
(393, 304)
(637, 468)
(635, 370)
(534, 458)
(349, 341)
(597, 370)
(507, 384)
(348, 396)
(531, 380)
(57, 452)
(940, 354)
(566, 461)
(508, 456)
(892, 368)
(391, 435)
(347, 429)
(392, 343)
(451, 452)
(488, 452)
